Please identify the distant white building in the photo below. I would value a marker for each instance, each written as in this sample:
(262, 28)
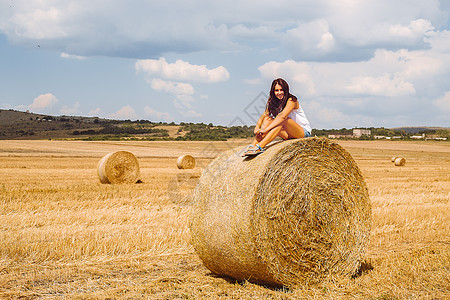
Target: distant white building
(339, 136)
(360, 132)
(418, 136)
(435, 137)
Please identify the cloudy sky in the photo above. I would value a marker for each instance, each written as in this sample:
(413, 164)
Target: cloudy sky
(352, 63)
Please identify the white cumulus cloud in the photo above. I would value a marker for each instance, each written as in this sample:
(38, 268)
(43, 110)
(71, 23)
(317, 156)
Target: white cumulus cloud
(43, 102)
(125, 113)
(70, 56)
(416, 29)
(156, 115)
(70, 110)
(38, 23)
(183, 102)
(190, 113)
(174, 78)
(385, 85)
(310, 39)
(172, 87)
(181, 71)
(94, 112)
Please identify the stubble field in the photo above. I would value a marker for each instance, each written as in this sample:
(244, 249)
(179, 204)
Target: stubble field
(63, 234)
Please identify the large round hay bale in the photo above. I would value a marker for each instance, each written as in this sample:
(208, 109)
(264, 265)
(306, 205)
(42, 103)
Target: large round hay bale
(118, 167)
(393, 158)
(399, 161)
(294, 214)
(186, 162)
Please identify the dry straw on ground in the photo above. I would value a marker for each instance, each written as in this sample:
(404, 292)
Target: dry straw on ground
(297, 213)
(118, 167)
(399, 161)
(186, 162)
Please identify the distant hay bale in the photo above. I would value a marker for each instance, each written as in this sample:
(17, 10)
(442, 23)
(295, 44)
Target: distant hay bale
(393, 158)
(399, 161)
(118, 167)
(186, 162)
(294, 214)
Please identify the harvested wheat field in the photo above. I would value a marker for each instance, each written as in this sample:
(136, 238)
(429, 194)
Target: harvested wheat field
(64, 234)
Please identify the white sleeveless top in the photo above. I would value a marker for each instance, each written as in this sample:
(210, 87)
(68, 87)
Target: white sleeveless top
(299, 116)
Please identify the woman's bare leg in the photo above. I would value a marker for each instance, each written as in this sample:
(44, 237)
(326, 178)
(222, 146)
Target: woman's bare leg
(266, 122)
(293, 130)
(289, 129)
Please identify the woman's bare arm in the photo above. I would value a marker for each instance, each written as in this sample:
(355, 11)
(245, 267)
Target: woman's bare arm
(290, 105)
(260, 121)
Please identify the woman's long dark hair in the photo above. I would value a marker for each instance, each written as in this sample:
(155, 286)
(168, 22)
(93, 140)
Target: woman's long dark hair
(275, 105)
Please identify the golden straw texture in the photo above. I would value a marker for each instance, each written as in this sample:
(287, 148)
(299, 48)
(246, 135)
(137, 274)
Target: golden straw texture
(118, 167)
(400, 161)
(393, 158)
(186, 162)
(294, 214)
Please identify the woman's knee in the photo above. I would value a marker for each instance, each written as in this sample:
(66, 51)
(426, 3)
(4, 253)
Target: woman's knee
(283, 134)
(266, 122)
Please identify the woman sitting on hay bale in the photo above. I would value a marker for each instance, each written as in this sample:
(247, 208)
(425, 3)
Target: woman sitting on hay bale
(283, 117)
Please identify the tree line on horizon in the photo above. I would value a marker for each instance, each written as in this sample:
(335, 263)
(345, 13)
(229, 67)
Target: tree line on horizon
(94, 128)
(210, 132)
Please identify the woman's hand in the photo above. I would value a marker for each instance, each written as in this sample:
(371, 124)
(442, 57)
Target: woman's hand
(261, 132)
